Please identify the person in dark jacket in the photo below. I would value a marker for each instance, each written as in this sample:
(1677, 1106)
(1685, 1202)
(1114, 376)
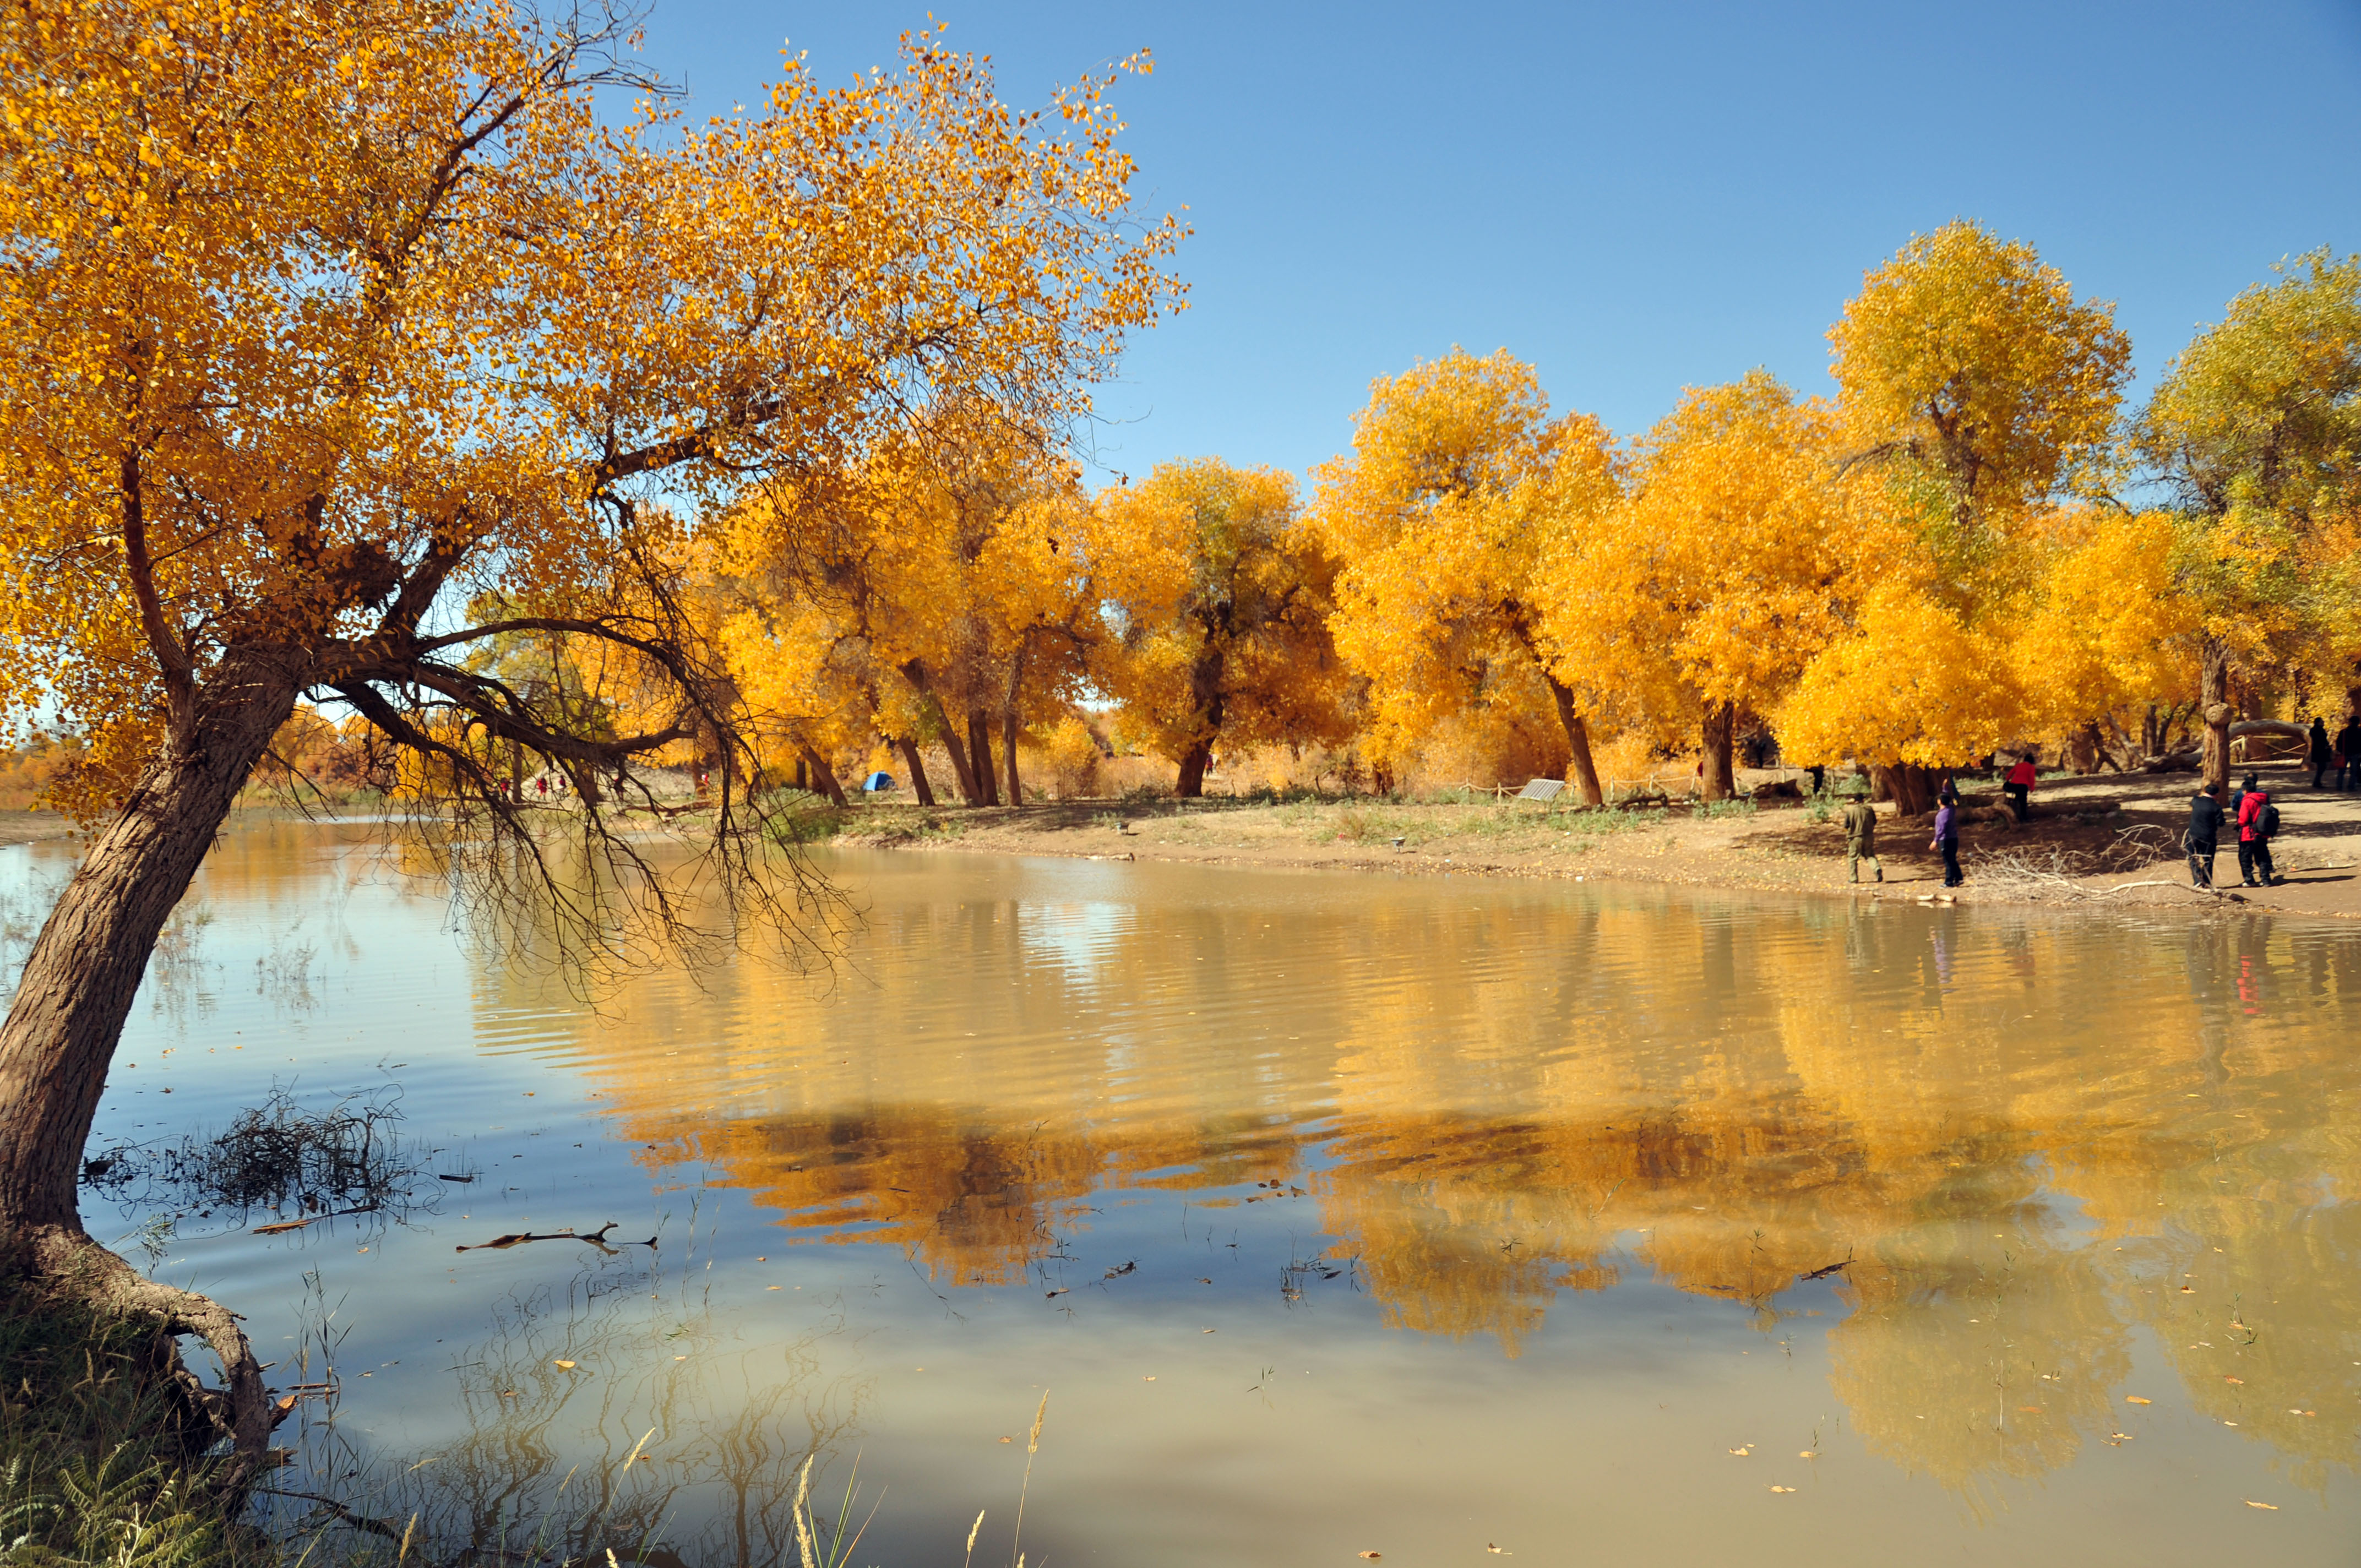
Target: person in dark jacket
(2204, 833)
(2348, 749)
(1947, 835)
(2317, 751)
(2254, 839)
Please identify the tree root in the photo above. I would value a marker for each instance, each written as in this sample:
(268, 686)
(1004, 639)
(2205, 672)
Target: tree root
(66, 1266)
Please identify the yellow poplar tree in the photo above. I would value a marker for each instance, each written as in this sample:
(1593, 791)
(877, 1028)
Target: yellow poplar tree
(1217, 598)
(1711, 585)
(2258, 427)
(325, 326)
(1973, 385)
(1459, 490)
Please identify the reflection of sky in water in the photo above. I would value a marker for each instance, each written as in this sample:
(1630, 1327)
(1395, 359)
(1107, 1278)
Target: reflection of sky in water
(1498, 1199)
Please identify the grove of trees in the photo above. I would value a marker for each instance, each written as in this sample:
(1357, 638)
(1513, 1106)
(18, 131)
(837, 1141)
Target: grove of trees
(1976, 543)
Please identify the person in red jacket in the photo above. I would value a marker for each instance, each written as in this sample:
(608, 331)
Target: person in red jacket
(2019, 789)
(2253, 838)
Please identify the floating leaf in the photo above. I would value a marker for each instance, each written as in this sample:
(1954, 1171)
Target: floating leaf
(563, 1365)
(2135, 1399)
(1372, 1556)
(1782, 1488)
(2252, 1503)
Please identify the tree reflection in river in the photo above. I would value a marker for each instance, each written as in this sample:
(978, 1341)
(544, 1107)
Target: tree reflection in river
(2021, 1133)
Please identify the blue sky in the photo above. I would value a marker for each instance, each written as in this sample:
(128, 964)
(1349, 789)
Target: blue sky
(1634, 197)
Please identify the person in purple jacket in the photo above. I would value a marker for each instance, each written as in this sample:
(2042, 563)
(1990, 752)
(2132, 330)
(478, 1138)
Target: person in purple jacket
(1947, 834)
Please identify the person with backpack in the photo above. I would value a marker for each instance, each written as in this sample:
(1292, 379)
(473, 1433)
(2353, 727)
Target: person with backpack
(2257, 820)
(2204, 834)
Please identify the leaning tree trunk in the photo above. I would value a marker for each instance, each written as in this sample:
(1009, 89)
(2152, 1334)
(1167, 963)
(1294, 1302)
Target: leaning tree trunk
(908, 747)
(1577, 742)
(2213, 707)
(962, 773)
(979, 756)
(824, 777)
(1719, 781)
(67, 1017)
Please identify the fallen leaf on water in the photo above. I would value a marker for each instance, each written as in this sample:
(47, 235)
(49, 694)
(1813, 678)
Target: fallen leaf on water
(563, 1365)
(1808, 1453)
(2119, 1438)
(1782, 1488)
(1149, 1379)
(1742, 1452)
(770, 1287)
(2028, 1409)
(1502, 1550)
(1205, 1331)
(2252, 1503)
(1201, 1281)
(2234, 1380)
(1372, 1556)
(680, 1358)
(1053, 1295)
(2135, 1399)
(1008, 1439)
(2189, 1289)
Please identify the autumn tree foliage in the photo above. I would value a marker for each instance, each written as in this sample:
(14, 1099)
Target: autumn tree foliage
(1709, 585)
(1216, 599)
(2256, 428)
(1460, 487)
(341, 341)
(1972, 386)
(937, 590)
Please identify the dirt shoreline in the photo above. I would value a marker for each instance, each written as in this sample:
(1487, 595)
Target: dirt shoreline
(2107, 843)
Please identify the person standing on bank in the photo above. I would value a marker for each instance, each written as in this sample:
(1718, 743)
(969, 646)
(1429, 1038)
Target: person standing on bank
(2317, 751)
(2204, 833)
(1947, 835)
(1859, 820)
(2349, 746)
(2019, 789)
(2257, 818)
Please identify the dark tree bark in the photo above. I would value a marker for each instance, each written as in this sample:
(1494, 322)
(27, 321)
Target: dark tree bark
(1720, 781)
(979, 752)
(1577, 743)
(1910, 788)
(2213, 707)
(962, 770)
(1193, 763)
(1008, 726)
(824, 777)
(76, 990)
(909, 750)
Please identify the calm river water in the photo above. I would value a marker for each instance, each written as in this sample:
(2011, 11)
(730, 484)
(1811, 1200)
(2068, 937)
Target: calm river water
(1335, 1214)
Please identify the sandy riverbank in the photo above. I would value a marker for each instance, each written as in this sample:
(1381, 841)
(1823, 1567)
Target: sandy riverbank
(2107, 840)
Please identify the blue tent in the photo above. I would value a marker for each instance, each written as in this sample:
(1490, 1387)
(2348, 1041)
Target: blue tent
(877, 782)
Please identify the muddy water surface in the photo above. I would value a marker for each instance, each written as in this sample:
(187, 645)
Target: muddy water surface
(1333, 1214)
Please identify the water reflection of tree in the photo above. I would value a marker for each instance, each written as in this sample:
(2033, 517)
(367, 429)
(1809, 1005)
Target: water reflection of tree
(552, 1458)
(1753, 1092)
